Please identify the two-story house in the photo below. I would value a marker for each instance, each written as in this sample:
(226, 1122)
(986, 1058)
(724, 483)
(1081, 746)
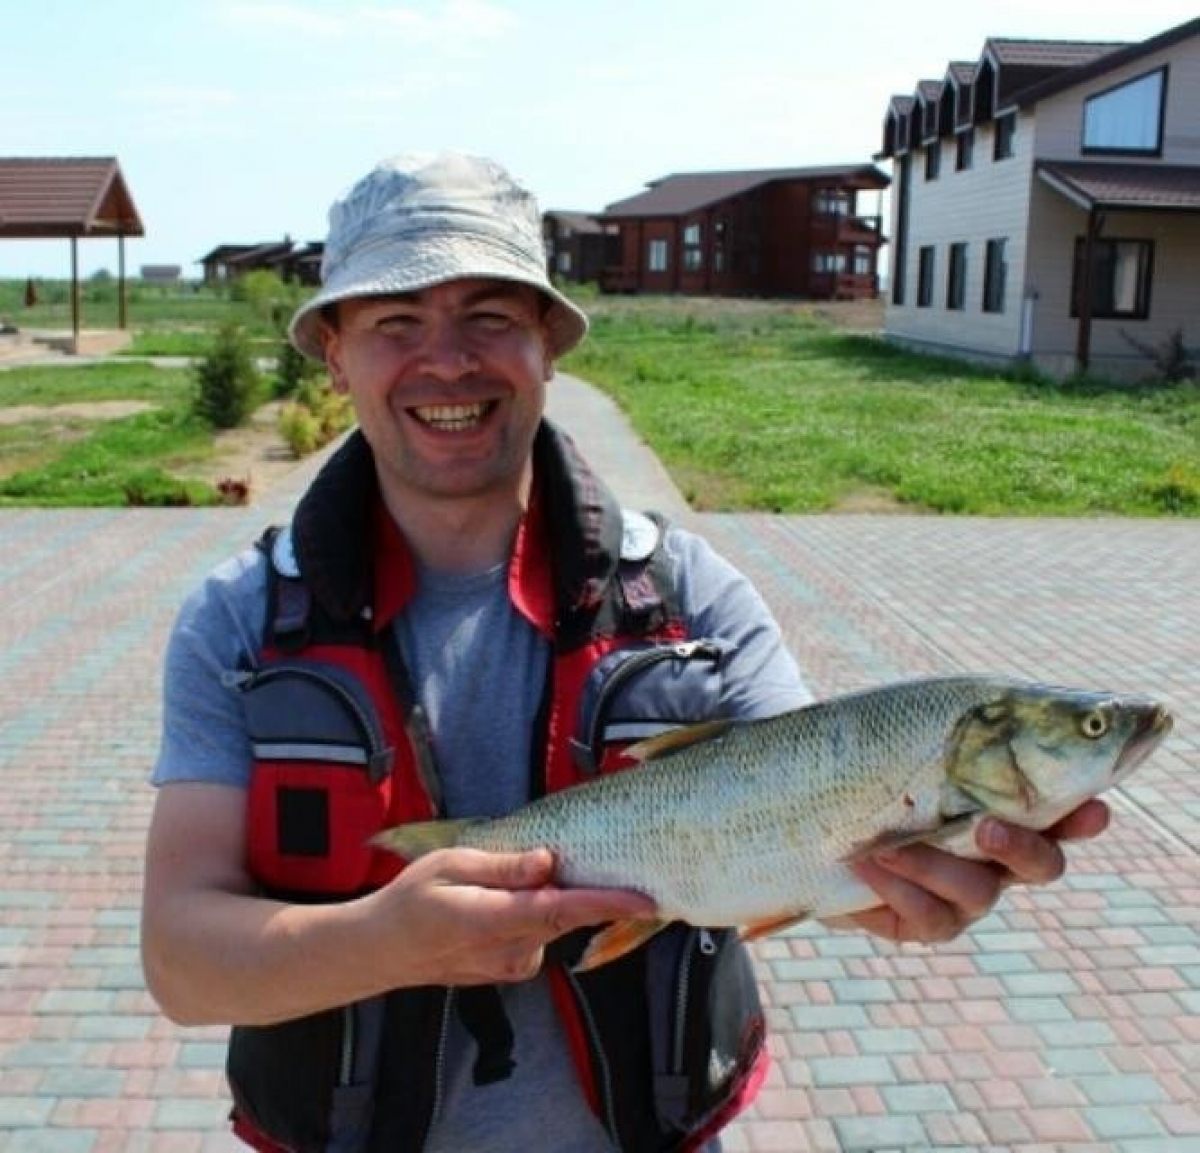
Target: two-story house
(1046, 204)
(771, 232)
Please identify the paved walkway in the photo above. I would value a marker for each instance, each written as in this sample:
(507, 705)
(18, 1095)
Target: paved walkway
(1069, 1019)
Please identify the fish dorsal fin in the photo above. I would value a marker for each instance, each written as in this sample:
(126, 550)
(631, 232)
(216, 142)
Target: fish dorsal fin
(671, 742)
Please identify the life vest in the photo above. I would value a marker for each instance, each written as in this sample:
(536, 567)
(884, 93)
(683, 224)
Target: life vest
(341, 753)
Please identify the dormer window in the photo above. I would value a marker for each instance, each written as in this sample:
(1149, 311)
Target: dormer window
(1006, 129)
(964, 150)
(1127, 119)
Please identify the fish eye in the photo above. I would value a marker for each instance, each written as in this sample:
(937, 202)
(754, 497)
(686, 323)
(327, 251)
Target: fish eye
(1094, 724)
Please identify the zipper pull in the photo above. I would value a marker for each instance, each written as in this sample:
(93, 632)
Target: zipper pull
(237, 678)
(708, 946)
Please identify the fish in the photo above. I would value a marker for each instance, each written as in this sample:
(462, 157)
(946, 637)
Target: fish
(757, 824)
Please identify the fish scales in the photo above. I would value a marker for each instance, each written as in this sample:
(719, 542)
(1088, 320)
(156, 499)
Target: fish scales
(764, 820)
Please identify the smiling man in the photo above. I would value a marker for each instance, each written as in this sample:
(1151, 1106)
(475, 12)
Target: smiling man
(444, 630)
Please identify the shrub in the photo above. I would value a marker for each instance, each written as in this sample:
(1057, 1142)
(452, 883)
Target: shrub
(228, 381)
(1178, 491)
(293, 368)
(317, 416)
(1170, 358)
(300, 428)
(233, 490)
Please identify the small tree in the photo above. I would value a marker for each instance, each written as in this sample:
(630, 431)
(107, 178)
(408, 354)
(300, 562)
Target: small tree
(31, 292)
(228, 382)
(293, 368)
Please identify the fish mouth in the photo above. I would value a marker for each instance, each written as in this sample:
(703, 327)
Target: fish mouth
(1153, 725)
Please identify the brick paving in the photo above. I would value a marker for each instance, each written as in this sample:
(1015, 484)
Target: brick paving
(1068, 1019)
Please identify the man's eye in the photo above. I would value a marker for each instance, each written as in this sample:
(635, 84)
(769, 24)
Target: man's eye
(397, 325)
(492, 321)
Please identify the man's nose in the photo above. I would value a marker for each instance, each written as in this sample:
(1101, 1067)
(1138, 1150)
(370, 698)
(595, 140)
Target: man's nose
(446, 353)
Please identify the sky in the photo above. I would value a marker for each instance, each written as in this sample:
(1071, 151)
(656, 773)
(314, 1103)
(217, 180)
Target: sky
(239, 121)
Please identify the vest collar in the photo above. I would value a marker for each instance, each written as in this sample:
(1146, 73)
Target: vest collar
(566, 551)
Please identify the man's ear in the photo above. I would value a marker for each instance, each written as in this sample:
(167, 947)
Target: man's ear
(331, 345)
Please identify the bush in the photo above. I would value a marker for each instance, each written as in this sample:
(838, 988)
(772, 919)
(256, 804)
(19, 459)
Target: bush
(300, 428)
(317, 416)
(228, 381)
(293, 369)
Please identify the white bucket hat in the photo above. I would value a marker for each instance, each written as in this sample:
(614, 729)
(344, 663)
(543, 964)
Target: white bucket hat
(419, 220)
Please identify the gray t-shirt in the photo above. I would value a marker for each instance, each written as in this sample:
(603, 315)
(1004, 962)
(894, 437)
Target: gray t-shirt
(478, 668)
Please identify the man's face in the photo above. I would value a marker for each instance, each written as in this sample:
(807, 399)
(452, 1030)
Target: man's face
(448, 383)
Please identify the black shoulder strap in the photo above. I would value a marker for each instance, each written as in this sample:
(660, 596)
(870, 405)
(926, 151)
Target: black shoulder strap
(289, 601)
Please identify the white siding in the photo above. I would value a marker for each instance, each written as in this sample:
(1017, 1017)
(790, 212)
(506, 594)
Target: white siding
(985, 202)
(1060, 118)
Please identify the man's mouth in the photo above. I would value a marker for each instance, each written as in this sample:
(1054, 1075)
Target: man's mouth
(452, 417)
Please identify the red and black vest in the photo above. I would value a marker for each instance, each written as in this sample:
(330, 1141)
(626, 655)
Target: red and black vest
(667, 1041)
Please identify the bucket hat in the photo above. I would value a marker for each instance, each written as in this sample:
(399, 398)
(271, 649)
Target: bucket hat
(422, 219)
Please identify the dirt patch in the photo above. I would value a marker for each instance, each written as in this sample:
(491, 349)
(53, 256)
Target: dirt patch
(81, 410)
(255, 453)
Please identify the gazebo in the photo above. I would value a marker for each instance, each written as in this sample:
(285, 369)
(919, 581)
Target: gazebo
(42, 198)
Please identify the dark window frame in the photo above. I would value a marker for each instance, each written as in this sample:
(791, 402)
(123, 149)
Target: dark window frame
(926, 269)
(956, 277)
(1141, 310)
(1005, 132)
(995, 275)
(964, 150)
(1103, 150)
(933, 160)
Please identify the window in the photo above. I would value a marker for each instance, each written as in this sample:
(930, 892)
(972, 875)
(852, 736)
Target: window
(933, 160)
(995, 270)
(863, 264)
(1128, 118)
(964, 149)
(956, 281)
(656, 256)
(829, 262)
(1121, 273)
(925, 276)
(564, 261)
(693, 253)
(1006, 129)
(831, 202)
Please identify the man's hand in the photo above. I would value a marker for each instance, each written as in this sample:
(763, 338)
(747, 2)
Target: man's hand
(462, 917)
(930, 895)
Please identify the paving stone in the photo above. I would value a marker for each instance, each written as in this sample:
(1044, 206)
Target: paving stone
(877, 1134)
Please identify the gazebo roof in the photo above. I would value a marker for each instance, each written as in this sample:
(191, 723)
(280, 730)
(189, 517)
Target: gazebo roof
(65, 196)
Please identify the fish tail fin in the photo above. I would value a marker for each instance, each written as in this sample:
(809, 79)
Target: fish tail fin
(758, 929)
(421, 837)
(615, 941)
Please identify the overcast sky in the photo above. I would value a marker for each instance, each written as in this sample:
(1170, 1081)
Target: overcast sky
(240, 120)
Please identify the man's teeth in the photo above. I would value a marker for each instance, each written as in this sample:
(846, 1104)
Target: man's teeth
(451, 417)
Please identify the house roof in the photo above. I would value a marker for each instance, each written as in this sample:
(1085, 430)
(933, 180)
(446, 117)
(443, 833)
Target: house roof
(224, 251)
(65, 196)
(962, 71)
(578, 221)
(1124, 186)
(686, 192)
(1048, 53)
(1119, 56)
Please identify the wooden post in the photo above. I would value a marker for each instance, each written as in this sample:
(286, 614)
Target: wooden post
(75, 294)
(1083, 336)
(121, 311)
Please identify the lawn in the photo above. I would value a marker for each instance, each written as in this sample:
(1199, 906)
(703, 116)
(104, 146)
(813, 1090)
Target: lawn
(767, 407)
(750, 405)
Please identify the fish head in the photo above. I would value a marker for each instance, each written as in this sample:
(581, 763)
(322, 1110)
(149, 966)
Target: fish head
(1032, 753)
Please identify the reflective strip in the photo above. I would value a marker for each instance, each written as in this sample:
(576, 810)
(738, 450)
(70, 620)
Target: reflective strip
(638, 730)
(300, 751)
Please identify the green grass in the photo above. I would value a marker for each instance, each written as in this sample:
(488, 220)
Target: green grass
(764, 407)
(74, 461)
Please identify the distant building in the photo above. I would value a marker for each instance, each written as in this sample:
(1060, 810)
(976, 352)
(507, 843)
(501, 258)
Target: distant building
(1046, 203)
(772, 232)
(578, 246)
(161, 273)
(292, 262)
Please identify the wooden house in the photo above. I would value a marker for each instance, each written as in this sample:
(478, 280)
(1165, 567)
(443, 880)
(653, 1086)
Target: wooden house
(783, 232)
(578, 246)
(1046, 204)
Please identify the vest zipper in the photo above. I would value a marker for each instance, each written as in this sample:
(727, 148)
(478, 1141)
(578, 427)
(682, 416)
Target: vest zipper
(378, 758)
(699, 940)
(603, 1073)
(346, 1065)
(439, 1060)
(631, 667)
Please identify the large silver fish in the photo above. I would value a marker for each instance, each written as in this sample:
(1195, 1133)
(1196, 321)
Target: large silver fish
(757, 823)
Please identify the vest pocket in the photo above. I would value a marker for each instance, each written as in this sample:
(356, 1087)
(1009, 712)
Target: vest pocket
(320, 785)
(636, 693)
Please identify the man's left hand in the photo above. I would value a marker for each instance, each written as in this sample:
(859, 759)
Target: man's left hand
(930, 895)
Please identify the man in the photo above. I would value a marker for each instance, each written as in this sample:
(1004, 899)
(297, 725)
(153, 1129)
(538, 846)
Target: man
(454, 614)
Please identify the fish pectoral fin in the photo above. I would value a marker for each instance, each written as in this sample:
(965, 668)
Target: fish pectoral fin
(753, 930)
(615, 941)
(676, 739)
(421, 837)
(887, 842)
